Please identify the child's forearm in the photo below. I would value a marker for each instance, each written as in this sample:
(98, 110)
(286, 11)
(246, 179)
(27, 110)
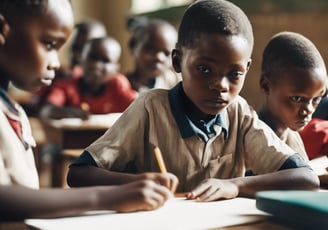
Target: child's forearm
(298, 178)
(18, 202)
(91, 175)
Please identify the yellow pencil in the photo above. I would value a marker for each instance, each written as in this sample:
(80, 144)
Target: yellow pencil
(160, 161)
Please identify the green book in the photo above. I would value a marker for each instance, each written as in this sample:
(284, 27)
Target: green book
(298, 209)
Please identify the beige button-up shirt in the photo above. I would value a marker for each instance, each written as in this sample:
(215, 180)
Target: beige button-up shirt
(149, 122)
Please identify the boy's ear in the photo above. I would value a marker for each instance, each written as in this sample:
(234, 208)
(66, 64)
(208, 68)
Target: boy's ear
(176, 60)
(4, 29)
(249, 64)
(265, 85)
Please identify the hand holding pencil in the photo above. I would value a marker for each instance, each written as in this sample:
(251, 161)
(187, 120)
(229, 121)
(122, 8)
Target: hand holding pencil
(173, 180)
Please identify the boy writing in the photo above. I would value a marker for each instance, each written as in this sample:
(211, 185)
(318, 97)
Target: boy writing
(207, 133)
(101, 89)
(31, 34)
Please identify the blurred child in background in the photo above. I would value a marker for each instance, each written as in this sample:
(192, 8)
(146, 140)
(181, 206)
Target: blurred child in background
(101, 88)
(151, 44)
(315, 134)
(83, 32)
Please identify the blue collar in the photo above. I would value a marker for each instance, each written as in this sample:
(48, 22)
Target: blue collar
(187, 128)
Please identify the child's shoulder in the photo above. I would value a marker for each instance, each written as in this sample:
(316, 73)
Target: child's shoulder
(241, 113)
(240, 105)
(118, 78)
(154, 97)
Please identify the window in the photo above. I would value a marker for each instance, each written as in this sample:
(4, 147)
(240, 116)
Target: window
(142, 6)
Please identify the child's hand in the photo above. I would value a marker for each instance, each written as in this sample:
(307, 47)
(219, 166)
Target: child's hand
(166, 179)
(136, 196)
(214, 189)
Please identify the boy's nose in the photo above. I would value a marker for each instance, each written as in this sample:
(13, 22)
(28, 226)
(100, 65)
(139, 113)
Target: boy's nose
(220, 84)
(308, 109)
(54, 62)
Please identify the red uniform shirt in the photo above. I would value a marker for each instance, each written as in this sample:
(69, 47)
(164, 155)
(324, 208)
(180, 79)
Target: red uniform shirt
(315, 138)
(116, 96)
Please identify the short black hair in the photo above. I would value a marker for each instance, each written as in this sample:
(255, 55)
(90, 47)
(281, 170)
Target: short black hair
(8, 7)
(213, 16)
(88, 24)
(141, 26)
(287, 49)
(103, 39)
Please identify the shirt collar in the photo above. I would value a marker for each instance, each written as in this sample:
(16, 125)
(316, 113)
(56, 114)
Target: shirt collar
(186, 127)
(13, 112)
(7, 105)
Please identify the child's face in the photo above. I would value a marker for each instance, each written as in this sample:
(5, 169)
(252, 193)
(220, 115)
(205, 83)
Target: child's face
(213, 70)
(294, 97)
(153, 54)
(100, 61)
(29, 56)
(80, 38)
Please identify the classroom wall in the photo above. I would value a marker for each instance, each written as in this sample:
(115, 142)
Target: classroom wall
(267, 17)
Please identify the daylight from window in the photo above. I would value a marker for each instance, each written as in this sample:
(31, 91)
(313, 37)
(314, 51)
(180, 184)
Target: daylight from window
(142, 6)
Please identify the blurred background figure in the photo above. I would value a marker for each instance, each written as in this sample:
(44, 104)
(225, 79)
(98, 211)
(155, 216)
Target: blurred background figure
(322, 110)
(151, 44)
(100, 88)
(315, 134)
(83, 31)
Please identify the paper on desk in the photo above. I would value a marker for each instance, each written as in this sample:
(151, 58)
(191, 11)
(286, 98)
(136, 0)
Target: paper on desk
(177, 213)
(319, 165)
(95, 119)
(108, 119)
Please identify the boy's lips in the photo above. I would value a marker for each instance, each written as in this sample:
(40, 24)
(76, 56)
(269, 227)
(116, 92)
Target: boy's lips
(303, 122)
(217, 101)
(47, 80)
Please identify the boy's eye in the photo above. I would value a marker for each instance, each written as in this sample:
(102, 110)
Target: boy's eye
(296, 99)
(50, 45)
(95, 57)
(204, 69)
(235, 75)
(149, 49)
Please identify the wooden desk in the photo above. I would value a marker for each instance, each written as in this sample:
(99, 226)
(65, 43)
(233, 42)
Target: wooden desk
(72, 134)
(178, 213)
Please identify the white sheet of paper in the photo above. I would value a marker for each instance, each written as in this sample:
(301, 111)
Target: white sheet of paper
(177, 213)
(95, 119)
(319, 165)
